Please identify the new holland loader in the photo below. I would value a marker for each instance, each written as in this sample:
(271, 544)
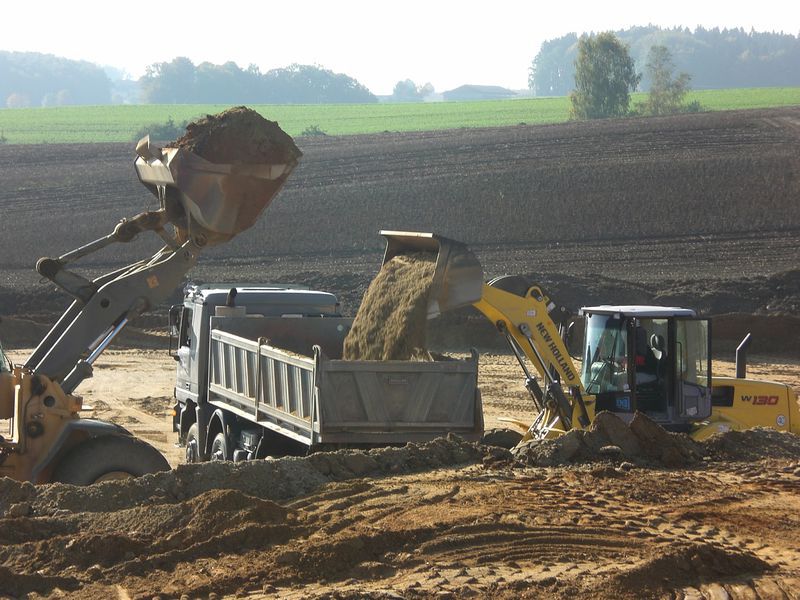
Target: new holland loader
(653, 359)
(205, 204)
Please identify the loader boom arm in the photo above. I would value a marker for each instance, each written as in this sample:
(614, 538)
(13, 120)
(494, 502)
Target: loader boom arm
(205, 203)
(102, 308)
(525, 320)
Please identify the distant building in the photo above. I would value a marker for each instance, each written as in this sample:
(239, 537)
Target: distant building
(479, 92)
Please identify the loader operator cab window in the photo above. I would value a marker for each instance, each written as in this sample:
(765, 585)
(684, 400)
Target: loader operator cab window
(625, 363)
(605, 360)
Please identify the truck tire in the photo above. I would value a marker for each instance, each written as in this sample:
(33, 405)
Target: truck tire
(219, 448)
(109, 457)
(193, 454)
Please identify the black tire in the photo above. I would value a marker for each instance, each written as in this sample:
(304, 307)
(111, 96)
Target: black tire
(503, 438)
(109, 457)
(513, 284)
(193, 453)
(219, 448)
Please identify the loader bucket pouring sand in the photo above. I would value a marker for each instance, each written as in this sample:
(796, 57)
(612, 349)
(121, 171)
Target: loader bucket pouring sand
(218, 178)
(458, 275)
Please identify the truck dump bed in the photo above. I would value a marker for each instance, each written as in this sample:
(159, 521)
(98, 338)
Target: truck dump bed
(285, 375)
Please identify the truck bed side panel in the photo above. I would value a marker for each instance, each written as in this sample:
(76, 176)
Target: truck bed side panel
(398, 401)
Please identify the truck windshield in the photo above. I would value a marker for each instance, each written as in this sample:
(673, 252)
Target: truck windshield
(605, 357)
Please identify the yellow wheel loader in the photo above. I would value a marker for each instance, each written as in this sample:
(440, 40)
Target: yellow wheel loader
(652, 359)
(43, 437)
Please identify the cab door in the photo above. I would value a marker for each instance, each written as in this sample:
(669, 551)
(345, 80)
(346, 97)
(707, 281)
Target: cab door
(186, 380)
(692, 368)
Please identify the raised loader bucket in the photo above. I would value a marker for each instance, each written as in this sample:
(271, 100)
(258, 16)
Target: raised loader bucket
(458, 275)
(218, 200)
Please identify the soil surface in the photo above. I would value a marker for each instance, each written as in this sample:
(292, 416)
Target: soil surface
(447, 518)
(697, 210)
(391, 323)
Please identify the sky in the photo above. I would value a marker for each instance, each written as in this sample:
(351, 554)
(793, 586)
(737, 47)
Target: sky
(447, 43)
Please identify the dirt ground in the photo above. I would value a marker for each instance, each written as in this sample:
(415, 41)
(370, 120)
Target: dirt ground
(676, 211)
(439, 522)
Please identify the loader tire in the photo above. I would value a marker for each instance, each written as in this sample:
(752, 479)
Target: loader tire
(109, 457)
(502, 438)
(513, 284)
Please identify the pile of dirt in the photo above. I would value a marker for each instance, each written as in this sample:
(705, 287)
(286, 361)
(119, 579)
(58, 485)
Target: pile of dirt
(391, 322)
(754, 444)
(610, 438)
(238, 135)
(682, 565)
(276, 480)
(644, 442)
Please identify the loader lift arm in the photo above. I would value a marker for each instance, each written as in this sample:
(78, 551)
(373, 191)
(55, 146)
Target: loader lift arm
(204, 204)
(103, 307)
(522, 314)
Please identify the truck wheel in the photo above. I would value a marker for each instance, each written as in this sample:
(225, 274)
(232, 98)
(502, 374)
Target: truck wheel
(109, 457)
(219, 448)
(193, 445)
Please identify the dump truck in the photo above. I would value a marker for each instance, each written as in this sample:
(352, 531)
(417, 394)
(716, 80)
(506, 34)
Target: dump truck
(200, 204)
(260, 374)
(651, 359)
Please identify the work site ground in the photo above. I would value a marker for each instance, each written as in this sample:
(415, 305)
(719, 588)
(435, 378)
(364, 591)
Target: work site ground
(440, 520)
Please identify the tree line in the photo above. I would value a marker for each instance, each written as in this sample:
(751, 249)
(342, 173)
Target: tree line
(715, 58)
(34, 79)
(30, 79)
(182, 82)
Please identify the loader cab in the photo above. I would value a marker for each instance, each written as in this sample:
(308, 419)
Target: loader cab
(648, 358)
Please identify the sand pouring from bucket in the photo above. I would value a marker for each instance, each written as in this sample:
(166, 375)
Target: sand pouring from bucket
(209, 202)
(458, 275)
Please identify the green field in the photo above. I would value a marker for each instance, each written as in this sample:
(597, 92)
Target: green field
(119, 123)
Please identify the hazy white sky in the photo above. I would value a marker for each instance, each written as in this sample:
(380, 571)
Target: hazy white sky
(447, 43)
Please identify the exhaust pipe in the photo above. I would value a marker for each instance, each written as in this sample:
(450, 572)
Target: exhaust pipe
(741, 357)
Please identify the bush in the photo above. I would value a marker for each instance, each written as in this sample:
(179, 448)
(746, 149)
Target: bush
(162, 132)
(313, 130)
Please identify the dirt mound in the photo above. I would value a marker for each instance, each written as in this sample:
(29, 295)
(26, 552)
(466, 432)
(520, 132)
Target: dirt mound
(274, 480)
(238, 135)
(610, 438)
(684, 565)
(753, 444)
(391, 322)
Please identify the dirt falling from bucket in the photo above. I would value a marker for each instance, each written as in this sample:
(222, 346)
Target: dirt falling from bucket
(392, 320)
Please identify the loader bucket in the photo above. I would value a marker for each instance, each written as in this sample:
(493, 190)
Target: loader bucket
(458, 275)
(218, 200)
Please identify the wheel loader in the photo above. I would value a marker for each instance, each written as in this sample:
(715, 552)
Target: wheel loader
(652, 359)
(200, 204)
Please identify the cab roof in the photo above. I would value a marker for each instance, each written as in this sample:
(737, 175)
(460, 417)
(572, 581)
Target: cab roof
(638, 310)
(215, 294)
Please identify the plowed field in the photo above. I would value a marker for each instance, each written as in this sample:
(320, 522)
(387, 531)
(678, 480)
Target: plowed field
(698, 210)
